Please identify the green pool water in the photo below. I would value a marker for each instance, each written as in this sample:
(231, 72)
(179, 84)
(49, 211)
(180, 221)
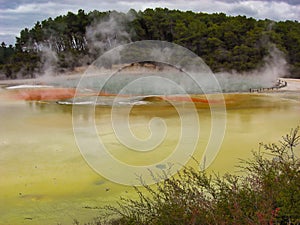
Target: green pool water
(45, 180)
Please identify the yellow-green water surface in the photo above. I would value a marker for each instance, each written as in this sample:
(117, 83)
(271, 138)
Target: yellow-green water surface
(45, 180)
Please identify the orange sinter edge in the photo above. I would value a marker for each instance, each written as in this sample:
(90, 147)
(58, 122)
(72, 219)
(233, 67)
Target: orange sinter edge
(66, 93)
(44, 94)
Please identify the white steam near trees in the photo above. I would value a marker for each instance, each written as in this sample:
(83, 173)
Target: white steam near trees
(109, 33)
(274, 67)
(112, 31)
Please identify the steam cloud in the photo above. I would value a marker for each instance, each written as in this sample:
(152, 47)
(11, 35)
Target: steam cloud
(111, 32)
(275, 66)
(108, 33)
(49, 62)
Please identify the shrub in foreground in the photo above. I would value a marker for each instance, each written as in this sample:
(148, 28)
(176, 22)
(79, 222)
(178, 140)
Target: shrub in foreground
(268, 192)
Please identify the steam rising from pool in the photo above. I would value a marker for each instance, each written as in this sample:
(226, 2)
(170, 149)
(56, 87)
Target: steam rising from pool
(110, 32)
(133, 76)
(275, 66)
(140, 79)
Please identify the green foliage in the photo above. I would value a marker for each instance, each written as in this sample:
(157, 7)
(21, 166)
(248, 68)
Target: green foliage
(6, 53)
(224, 42)
(268, 192)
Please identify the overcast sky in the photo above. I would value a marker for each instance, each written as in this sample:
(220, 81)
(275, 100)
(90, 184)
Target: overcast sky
(18, 14)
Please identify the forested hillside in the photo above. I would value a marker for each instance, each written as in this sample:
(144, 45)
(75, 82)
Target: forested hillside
(224, 42)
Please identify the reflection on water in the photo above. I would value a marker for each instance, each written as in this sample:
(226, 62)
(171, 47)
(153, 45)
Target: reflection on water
(45, 180)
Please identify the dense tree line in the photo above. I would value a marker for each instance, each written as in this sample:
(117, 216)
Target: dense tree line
(224, 42)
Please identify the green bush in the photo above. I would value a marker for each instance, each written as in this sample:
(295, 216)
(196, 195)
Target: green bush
(267, 192)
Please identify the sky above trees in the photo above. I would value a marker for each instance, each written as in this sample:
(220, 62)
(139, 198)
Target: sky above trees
(18, 14)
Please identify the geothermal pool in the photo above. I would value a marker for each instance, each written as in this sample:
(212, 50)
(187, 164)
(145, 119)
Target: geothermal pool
(45, 180)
